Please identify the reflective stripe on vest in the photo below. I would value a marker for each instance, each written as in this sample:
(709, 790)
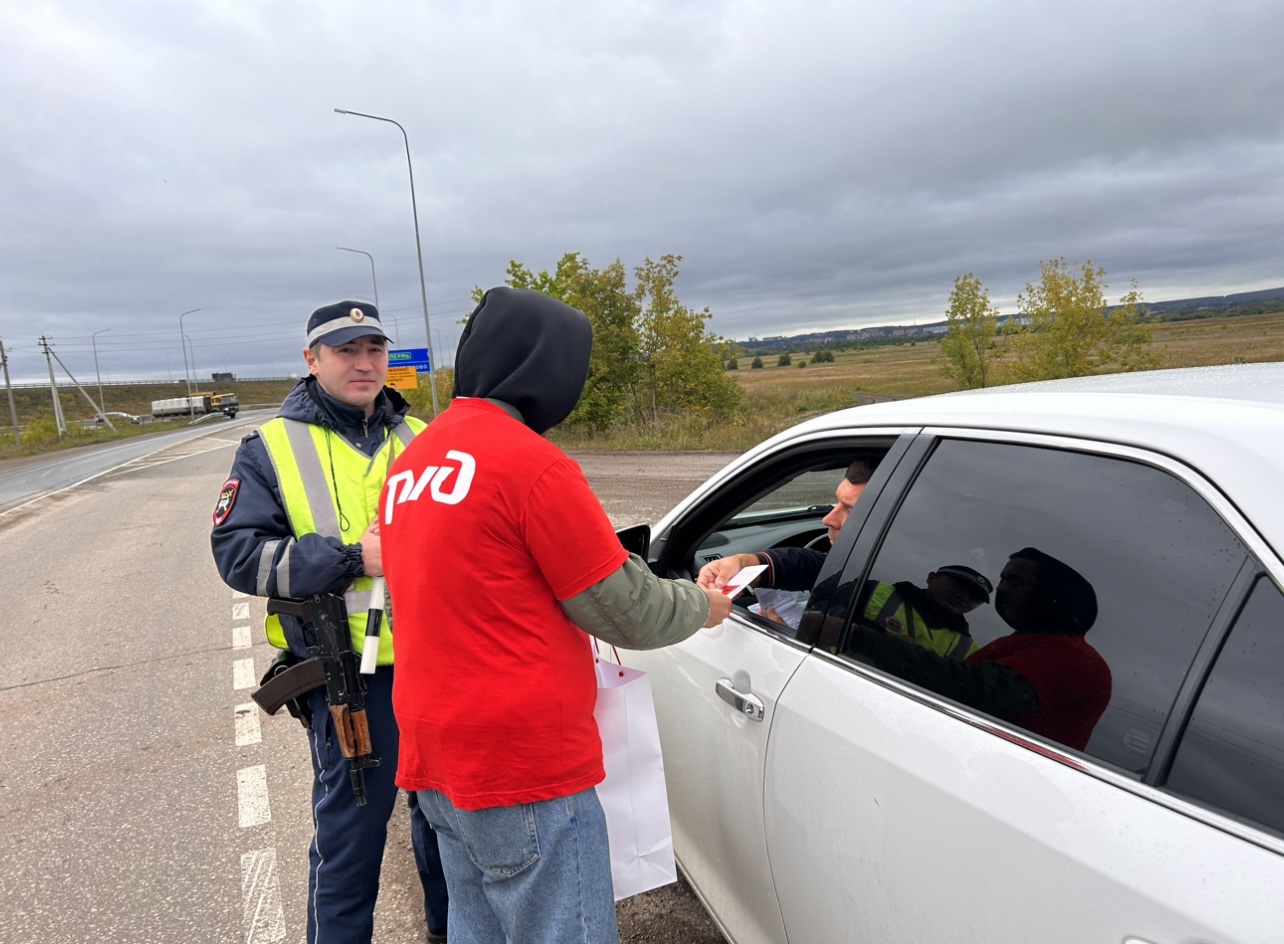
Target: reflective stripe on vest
(886, 603)
(310, 464)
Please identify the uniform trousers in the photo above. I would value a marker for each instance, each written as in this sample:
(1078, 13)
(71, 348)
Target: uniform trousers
(348, 840)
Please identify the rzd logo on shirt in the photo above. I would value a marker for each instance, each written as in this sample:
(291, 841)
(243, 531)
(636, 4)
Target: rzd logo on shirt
(405, 486)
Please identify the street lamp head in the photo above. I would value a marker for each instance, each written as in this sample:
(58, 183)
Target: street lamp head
(341, 111)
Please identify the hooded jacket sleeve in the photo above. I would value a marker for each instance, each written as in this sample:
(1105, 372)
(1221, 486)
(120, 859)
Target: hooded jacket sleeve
(254, 547)
(634, 609)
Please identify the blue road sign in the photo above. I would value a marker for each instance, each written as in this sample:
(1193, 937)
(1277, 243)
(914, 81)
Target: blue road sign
(416, 357)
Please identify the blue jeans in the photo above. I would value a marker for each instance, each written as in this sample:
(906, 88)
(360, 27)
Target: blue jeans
(538, 873)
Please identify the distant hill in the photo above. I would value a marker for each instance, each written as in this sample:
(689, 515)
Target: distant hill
(1240, 303)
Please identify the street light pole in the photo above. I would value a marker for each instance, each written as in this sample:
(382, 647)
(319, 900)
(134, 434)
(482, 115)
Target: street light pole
(94, 340)
(182, 339)
(372, 272)
(423, 290)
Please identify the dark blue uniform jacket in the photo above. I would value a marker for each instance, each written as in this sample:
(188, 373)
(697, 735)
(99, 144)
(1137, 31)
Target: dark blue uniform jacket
(257, 513)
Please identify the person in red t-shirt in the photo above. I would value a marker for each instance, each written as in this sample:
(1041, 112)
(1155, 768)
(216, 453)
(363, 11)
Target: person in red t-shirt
(499, 558)
(1044, 677)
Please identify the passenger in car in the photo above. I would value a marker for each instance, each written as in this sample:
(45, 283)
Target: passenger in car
(794, 568)
(1044, 677)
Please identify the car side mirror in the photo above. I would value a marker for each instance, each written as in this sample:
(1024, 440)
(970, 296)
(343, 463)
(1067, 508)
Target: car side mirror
(636, 540)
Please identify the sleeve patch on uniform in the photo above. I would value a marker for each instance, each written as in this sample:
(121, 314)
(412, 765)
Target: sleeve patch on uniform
(226, 499)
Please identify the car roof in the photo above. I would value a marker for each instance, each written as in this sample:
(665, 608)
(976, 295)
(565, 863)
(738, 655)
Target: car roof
(1227, 422)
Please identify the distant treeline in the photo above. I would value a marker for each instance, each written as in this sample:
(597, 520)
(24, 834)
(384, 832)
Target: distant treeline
(1264, 302)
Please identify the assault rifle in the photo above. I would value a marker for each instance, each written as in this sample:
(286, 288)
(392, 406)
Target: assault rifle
(345, 691)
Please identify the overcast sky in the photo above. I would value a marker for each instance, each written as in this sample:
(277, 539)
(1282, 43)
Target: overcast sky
(816, 164)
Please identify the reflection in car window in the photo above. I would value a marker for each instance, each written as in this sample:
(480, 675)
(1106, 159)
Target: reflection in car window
(1106, 575)
(1232, 754)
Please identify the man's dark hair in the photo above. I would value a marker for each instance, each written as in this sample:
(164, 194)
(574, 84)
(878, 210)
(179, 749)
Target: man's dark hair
(860, 472)
(1066, 602)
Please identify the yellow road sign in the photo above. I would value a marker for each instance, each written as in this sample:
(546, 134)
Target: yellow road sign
(402, 378)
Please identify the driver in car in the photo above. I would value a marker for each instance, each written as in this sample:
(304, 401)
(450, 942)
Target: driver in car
(933, 617)
(793, 568)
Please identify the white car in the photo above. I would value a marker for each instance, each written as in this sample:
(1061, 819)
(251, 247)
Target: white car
(1110, 771)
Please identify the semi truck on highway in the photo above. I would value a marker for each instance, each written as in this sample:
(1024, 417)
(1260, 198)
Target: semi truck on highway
(198, 405)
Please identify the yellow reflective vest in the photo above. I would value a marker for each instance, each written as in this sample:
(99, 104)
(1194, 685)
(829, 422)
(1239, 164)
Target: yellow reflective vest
(330, 487)
(889, 610)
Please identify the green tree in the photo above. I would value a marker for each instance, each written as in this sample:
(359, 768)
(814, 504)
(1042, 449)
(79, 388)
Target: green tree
(652, 356)
(968, 344)
(1073, 331)
(604, 296)
(733, 364)
(783, 360)
(757, 363)
(680, 362)
(823, 357)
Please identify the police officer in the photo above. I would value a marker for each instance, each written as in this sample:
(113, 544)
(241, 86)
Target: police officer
(934, 617)
(296, 517)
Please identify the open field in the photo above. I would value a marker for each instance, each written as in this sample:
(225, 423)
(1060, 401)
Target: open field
(774, 397)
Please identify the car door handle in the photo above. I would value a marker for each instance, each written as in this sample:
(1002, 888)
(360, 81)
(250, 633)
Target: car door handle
(747, 703)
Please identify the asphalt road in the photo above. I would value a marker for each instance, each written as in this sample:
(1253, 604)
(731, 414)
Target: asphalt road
(142, 798)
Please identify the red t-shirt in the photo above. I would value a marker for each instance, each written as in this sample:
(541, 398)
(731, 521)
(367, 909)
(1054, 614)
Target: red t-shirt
(1071, 679)
(494, 687)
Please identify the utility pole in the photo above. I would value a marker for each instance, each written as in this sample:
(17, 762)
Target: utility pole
(53, 389)
(98, 408)
(13, 413)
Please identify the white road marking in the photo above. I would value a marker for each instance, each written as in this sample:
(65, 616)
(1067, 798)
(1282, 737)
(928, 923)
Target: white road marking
(240, 637)
(252, 808)
(237, 594)
(247, 725)
(262, 916)
(243, 674)
(240, 611)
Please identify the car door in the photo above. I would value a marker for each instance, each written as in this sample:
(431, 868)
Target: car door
(900, 808)
(716, 692)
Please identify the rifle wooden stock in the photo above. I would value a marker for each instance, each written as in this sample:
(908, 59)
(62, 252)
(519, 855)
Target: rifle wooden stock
(353, 730)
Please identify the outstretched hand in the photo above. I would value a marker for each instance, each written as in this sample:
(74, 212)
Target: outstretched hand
(715, 574)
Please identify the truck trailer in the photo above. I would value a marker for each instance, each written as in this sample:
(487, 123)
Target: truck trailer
(197, 405)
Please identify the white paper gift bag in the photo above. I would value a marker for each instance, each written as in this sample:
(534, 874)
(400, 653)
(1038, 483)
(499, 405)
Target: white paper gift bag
(633, 793)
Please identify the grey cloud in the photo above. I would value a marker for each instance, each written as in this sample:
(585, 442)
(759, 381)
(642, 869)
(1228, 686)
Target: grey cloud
(817, 164)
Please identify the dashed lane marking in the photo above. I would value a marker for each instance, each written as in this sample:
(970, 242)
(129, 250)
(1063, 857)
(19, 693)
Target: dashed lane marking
(248, 730)
(262, 915)
(252, 807)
